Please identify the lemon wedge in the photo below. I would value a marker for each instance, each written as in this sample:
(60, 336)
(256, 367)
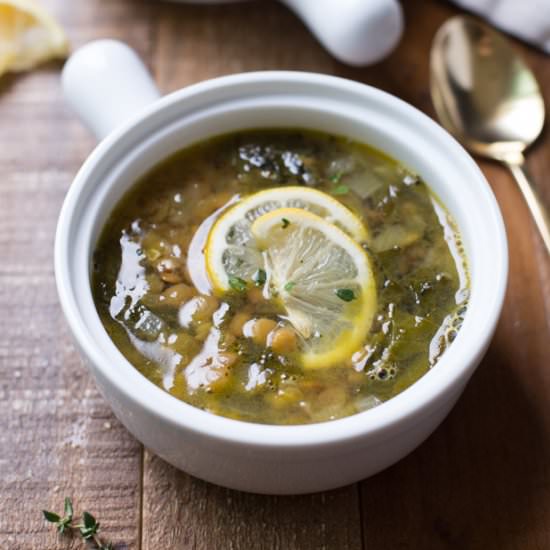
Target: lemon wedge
(28, 36)
(323, 280)
(230, 250)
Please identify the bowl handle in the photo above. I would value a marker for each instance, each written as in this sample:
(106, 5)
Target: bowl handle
(357, 32)
(106, 83)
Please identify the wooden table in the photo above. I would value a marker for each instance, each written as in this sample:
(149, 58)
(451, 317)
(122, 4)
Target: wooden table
(482, 481)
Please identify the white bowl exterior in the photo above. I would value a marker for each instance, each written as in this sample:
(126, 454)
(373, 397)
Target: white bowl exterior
(281, 459)
(272, 470)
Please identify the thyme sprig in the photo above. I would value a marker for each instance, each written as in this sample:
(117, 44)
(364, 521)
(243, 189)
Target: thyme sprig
(88, 528)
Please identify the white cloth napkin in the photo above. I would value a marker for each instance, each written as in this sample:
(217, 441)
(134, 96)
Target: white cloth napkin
(526, 19)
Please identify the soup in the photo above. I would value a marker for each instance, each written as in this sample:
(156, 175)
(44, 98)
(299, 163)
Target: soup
(281, 277)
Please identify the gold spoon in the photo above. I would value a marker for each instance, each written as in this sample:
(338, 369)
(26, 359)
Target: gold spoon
(488, 98)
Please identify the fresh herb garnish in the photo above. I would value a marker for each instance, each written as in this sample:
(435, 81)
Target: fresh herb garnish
(236, 283)
(259, 277)
(69, 512)
(54, 518)
(345, 294)
(340, 190)
(289, 286)
(286, 223)
(88, 528)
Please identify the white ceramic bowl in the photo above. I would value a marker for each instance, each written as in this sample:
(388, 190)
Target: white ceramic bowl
(105, 82)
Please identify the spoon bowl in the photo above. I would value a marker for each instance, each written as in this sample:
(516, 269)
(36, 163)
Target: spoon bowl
(489, 99)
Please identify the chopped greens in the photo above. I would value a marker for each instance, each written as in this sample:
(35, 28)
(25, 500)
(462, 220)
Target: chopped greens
(259, 277)
(345, 294)
(289, 286)
(236, 283)
(340, 190)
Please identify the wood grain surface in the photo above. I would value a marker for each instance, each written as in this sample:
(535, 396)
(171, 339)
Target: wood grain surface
(482, 481)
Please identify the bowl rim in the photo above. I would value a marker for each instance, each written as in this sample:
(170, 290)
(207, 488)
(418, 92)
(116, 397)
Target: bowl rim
(430, 389)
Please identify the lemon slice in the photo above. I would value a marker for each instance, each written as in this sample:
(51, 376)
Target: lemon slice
(323, 280)
(28, 36)
(230, 250)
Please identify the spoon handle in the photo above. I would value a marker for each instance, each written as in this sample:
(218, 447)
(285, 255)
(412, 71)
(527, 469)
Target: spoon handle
(535, 204)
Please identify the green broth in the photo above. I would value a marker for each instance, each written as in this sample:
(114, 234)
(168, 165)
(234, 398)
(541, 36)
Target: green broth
(142, 287)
